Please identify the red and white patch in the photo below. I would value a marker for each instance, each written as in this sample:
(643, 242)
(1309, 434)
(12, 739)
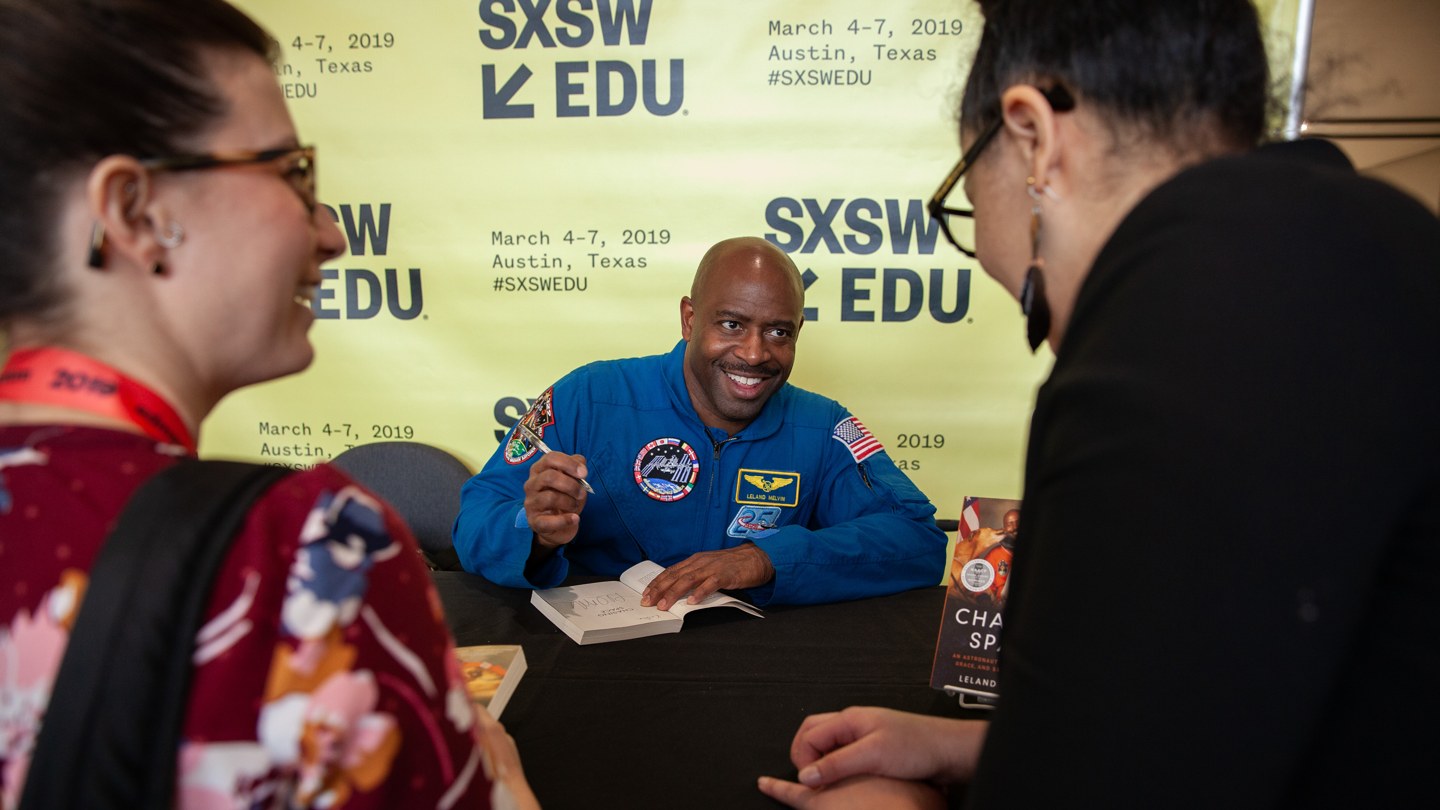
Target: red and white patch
(857, 438)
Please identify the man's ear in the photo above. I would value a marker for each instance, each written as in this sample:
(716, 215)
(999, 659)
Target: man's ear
(687, 316)
(1031, 122)
(120, 198)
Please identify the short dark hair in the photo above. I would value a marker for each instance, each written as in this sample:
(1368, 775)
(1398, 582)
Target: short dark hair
(1160, 67)
(83, 79)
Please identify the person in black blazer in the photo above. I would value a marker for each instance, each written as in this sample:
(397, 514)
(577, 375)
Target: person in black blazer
(1247, 363)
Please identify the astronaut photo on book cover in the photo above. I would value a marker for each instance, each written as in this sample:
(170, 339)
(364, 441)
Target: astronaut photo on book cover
(968, 647)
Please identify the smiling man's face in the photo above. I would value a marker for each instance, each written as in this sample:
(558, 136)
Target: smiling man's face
(740, 323)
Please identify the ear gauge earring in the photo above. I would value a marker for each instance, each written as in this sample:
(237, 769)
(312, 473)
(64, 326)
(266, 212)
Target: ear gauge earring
(1032, 296)
(169, 238)
(96, 258)
(171, 235)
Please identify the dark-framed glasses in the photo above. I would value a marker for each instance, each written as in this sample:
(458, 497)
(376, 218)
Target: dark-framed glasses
(298, 164)
(1059, 99)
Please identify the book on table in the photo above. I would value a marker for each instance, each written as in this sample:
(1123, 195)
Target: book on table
(491, 673)
(967, 650)
(596, 612)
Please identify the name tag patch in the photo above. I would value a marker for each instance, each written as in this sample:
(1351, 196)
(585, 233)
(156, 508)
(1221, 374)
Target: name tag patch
(767, 487)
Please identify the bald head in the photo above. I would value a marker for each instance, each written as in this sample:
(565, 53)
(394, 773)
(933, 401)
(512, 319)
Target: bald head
(748, 254)
(1012, 521)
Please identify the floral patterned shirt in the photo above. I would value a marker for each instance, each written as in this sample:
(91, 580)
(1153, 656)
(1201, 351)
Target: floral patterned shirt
(323, 671)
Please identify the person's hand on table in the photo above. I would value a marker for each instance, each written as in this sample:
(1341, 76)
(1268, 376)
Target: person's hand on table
(864, 740)
(501, 760)
(554, 497)
(855, 793)
(703, 573)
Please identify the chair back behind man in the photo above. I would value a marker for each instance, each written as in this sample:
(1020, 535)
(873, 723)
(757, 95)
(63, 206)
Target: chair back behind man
(422, 482)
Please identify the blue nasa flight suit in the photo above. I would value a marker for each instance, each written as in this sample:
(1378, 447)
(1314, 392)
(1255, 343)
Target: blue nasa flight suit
(666, 486)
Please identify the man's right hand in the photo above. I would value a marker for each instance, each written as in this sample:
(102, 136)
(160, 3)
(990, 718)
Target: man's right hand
(554, 497)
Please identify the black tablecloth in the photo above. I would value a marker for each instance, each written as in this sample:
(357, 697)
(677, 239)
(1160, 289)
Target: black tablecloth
(691, 719)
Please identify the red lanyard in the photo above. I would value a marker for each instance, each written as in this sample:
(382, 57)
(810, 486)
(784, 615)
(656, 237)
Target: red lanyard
(52, 376)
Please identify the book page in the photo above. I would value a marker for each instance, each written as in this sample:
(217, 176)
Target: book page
(639, 575)
(600, 606)
(716, 599)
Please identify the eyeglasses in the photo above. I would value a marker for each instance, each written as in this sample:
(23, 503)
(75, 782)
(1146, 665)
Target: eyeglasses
(1060, 100)
(299, 171)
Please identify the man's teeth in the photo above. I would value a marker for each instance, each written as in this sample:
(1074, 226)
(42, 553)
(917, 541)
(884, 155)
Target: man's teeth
(744, 380)
(305, 295)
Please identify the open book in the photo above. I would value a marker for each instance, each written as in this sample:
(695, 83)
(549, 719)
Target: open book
(611, 611)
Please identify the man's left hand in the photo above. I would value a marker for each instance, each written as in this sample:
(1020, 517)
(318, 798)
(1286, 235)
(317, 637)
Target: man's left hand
(744, 566)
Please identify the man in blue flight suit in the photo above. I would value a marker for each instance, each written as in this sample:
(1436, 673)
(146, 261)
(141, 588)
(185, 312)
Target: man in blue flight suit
(705, 461)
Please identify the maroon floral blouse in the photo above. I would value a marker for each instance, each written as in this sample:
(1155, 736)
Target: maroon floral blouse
(323, 673)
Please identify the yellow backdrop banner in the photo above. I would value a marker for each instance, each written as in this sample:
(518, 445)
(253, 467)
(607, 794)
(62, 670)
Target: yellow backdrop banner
(527, 186)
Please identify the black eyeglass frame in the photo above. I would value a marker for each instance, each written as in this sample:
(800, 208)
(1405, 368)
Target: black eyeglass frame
(215, 160)
(1059, 99)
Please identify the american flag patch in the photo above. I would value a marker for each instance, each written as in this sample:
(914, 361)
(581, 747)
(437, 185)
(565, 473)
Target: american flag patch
(857, 438)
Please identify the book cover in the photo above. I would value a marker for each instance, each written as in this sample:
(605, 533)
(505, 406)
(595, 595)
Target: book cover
(491, 673)
(596, 612)
(967, 651)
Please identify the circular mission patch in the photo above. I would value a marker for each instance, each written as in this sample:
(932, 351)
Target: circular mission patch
(667, 469)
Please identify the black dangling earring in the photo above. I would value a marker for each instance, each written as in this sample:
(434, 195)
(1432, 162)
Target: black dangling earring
(96, 259)
(1033, 302)
(1035, 307)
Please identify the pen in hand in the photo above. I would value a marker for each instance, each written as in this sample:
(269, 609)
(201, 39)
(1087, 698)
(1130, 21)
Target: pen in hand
(530, 434)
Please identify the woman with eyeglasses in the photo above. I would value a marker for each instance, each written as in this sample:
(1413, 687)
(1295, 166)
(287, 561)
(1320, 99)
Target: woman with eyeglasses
(1247, 366)
(160, 243)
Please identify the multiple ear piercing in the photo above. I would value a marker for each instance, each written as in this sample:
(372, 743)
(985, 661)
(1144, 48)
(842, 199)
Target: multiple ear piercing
(170, 237)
